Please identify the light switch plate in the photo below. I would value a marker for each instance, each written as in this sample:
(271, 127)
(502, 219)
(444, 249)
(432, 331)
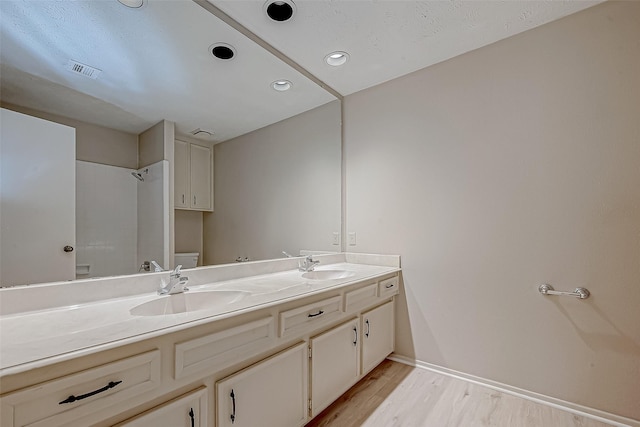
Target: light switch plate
(336, 238)
(352, 238)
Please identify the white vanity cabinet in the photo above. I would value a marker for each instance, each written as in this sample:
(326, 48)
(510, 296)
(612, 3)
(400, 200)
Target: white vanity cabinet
(276, 365)
(190, 410)
(272, 392)
(377, 335)
(335, 363)
(193, 183)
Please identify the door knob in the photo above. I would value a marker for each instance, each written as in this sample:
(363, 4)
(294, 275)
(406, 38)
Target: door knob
(68, 248)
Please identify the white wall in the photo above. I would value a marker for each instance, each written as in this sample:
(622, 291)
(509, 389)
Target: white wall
(491, 173)
(106, 220)
(277, 188)
(153, 219)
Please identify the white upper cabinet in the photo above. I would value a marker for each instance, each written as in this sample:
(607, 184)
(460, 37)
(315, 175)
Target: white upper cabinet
(193, 184)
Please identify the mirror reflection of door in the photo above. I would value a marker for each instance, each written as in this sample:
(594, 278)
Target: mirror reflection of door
(37, 190)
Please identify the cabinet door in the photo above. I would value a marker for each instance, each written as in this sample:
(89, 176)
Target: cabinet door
(201, 172)
(377, 336)
(181, 171)
(189, 410)
(270, 393)
(334, 364)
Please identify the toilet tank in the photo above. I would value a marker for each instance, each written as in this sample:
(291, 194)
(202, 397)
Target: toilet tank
(187, 259)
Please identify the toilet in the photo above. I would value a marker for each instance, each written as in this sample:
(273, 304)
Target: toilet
(186, 259)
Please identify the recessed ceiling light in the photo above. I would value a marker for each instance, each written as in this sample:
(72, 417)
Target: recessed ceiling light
(336, 58)
(134, 4)
(280, 10)
(281, 85)
(222, 51)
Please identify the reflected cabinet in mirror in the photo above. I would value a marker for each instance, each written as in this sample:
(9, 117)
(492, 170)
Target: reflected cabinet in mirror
(99, 101)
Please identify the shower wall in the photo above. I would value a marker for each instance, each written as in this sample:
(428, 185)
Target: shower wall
(153, 218)
(106, 220)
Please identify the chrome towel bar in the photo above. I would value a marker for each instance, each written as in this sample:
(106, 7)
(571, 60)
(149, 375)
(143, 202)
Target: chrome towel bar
(581, 293)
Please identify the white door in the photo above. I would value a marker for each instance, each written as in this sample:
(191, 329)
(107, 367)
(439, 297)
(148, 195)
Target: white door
(271, 393)
(377, 336)
(37, 200)
(334, 364)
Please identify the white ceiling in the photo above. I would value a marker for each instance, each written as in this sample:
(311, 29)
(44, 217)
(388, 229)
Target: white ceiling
(388, 39)
(156, 65)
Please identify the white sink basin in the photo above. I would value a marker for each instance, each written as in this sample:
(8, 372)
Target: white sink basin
(327, 274)
(187, 302)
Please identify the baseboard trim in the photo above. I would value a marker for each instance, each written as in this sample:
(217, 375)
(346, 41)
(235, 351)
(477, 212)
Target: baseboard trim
(596, 414)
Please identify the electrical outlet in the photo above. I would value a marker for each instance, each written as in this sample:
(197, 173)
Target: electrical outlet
(352, 238)
(336, 238)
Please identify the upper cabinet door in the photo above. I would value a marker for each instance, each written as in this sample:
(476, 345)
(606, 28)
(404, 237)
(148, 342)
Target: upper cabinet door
(181, 171)
(193, 183)
(38, 185)
(201, 173)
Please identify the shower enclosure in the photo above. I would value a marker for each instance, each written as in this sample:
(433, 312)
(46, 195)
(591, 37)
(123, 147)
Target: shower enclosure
(120, 221)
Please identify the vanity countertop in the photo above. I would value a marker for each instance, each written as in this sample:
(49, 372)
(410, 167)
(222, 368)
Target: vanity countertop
(40, 337)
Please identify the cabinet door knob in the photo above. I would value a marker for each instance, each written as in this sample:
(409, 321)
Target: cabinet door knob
(68, 248)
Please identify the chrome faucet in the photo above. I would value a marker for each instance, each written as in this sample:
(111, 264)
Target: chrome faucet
(176, 285)
(308, 264)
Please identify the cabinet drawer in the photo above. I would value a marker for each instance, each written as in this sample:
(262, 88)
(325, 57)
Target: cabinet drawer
(65, 401)
(361, 298)
(390, 286)
(222, 349)
(309, 316)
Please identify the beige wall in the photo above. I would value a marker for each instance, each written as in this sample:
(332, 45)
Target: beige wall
(491, 173)
(94, 143)
(276, 189)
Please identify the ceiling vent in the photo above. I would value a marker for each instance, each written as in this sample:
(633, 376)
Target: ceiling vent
(83, 69)
(201, 133)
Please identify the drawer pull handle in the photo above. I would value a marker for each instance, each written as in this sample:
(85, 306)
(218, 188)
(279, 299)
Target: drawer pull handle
(368, 328)
(355, 341)
(193, 418)
(73, 398)
(233, 402)
(390, 285)
(320, 312)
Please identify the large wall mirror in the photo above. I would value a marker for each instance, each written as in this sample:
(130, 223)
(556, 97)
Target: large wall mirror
(132, 80)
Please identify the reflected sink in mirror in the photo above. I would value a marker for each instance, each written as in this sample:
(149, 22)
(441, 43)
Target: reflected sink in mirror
(187, 302)
(327, 274)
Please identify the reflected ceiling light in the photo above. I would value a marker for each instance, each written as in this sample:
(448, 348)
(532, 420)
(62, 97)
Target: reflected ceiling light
(281, 85)
(222, 51)
(280, 10)
(336, 58)
(134, 4)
